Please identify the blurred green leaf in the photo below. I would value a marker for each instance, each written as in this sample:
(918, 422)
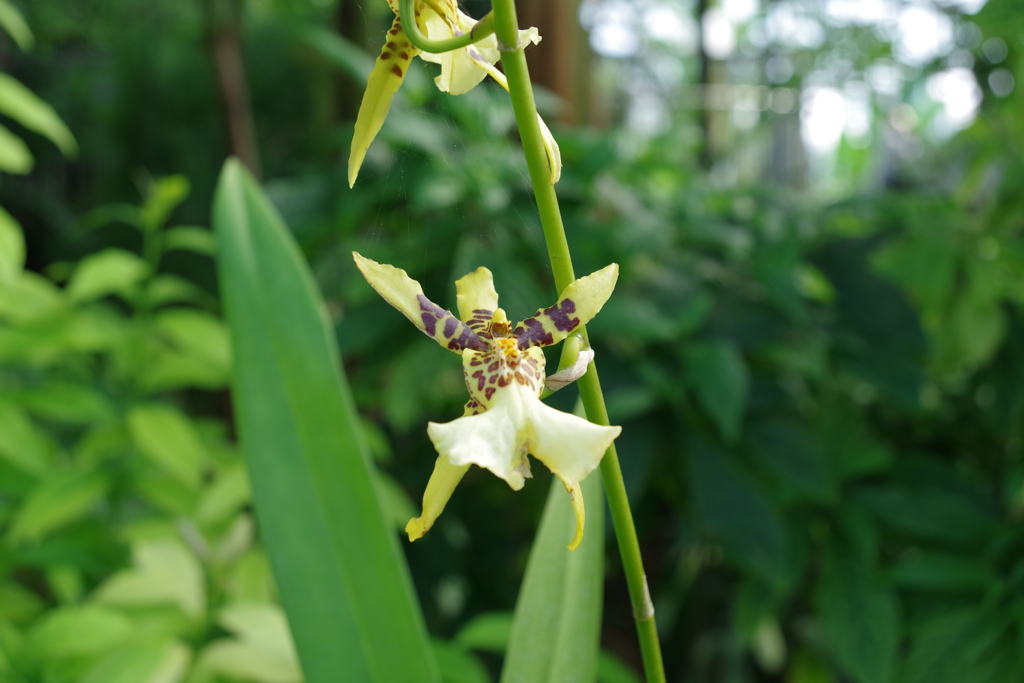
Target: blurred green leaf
(942, 572)
(164, 572)
(798, 464)
(74, 631)
(229, 492)
(163, 196)
(18, 604)
(457, 665)
(192, 350)
(12, 246)
(111, 271)
(166, 437)
(809, 668)
(861, 620)
(557, 624)
(735, 509)
(719, 377)
(149, 661)
(924, 263)
(965, 643)
(190, 238)
(23, 106)
(397, 504)
(349, 600)
(168, 289)
(340, 52)
(55, 502)
(263, 650)
(947, 516)
(198, 333)
(29, 297)
(14, 154)
(488, 632)
(611, 669)
(66, 402)
(14, 23)
(21, 443)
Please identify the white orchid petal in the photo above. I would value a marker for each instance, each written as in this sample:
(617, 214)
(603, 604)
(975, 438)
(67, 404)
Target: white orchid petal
(569, 446)
(491, 440)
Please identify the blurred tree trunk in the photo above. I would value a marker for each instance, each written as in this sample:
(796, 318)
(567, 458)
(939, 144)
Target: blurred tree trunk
(561, 62)
(224, 30)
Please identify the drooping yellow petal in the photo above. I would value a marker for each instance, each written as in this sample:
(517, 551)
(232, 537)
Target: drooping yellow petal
(405, 294)
(576, 305)
(443, 481)
(576, 498)
(385, 79)
(475, 294)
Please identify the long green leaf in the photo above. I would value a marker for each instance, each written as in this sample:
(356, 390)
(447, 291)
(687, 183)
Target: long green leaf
(14, 23)
(343, 584)
(22, 105)
(555, 634)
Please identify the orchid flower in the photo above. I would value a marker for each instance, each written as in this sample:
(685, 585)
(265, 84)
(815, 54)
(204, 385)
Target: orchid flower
(461, 70)
(504, 419)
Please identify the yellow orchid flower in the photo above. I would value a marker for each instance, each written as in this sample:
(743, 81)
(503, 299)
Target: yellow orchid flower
(504, 419)
(461, 70)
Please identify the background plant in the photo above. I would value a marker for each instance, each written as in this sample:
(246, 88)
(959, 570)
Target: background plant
(817, 390)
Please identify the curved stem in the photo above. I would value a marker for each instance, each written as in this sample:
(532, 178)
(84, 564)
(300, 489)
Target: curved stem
(514, 62)
(407, 8)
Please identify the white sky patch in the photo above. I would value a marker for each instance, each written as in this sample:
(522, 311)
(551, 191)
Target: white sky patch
(858, 113)
(1001, 82)
(958, 92)
(778, 69)
(965, 6)
(885, 77)
(648, 115)
(922, 35)
(665, 23)
(613, 27)
(842, 12)
(719, 34)
(822, 118)
(994, 49)
(789, 26)
(740, 10)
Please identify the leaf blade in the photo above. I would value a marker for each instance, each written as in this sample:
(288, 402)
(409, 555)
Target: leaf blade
(344, 587)
(557, 622)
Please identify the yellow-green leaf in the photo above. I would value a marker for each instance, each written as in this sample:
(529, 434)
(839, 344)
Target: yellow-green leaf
(56, 502)
(14, 23)
(166, 437)
(14, 155)
(111, 271)
(26, 108)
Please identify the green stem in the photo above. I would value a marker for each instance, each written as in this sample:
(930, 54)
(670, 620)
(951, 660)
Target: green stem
(514, 61)
(407, 8)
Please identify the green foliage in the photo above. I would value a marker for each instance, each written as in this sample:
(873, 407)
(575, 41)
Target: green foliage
(821, 398)
(124, 535)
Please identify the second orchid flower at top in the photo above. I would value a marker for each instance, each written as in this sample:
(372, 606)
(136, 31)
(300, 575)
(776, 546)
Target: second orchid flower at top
(462, 69)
